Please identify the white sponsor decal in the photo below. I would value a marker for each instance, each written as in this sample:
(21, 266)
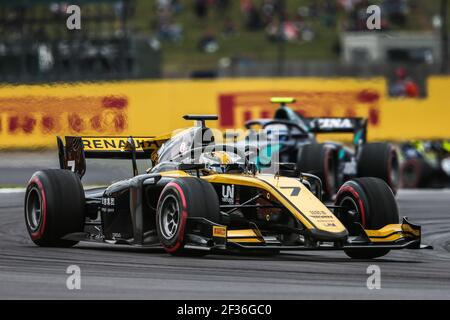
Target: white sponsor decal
(228, 194)
(183, 147)
(116, 235)
(108, 201)
(331, 123)
(350, 168)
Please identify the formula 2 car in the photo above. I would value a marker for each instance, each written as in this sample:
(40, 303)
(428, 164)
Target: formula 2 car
(332, 162)
(426, 164)
(201, 197)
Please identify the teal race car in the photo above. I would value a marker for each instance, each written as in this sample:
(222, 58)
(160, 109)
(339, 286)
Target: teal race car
(291, 138)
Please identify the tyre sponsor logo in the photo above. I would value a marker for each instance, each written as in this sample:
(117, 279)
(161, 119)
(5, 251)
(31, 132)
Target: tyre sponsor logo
(219, 231)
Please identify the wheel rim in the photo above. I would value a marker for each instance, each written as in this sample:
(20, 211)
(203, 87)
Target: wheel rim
(34, 209)
(350, 205)
(170, 217)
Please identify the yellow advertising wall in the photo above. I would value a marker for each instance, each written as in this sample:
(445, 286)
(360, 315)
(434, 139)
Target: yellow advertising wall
(31, 116)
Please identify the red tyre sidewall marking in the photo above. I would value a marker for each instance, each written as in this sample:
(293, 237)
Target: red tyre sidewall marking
(327, 169)
(39, 232)
(359, 200)
(180, 238)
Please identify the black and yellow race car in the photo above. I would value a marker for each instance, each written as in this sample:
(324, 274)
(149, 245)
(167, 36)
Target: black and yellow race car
(200, 197)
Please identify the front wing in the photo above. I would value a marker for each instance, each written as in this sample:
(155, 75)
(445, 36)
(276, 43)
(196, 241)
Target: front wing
(202, 234)
(405, 235)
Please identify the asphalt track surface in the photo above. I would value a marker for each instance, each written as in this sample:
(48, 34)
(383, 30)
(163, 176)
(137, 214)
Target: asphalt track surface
(113, 272)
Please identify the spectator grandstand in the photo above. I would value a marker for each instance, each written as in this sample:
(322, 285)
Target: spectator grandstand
(214, 37)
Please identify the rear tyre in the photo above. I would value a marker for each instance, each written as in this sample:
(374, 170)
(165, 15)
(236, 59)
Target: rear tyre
(380, 160)
(54, 207)
(180, 199)
(416, 173)
(372, 204)
(320, 160)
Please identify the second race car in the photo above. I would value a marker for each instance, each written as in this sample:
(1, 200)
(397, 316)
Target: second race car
(293, 138)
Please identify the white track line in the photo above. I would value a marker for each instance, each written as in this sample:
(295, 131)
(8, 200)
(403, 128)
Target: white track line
(12, 190)
(20, 190)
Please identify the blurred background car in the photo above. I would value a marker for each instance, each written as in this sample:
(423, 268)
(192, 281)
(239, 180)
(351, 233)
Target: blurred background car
(426, 164)
(291, 138)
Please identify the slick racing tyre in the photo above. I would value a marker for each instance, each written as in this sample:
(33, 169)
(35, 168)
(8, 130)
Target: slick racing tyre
(380, 160)
(180, 199)
(416, 173)
(371, 203)
(320, 160)
(54, 207)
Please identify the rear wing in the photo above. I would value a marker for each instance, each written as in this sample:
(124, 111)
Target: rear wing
(76, 149)
(357, 126)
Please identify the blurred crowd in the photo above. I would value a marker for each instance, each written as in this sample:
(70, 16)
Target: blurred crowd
(403, 85)
(269, 16)
(203, 25)
(273, 18)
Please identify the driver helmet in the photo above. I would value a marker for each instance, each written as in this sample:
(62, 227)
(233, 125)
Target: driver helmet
(215, 158)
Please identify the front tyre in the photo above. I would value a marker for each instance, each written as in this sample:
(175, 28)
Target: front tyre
(371, 203)
(180, 199)
(54, 207)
